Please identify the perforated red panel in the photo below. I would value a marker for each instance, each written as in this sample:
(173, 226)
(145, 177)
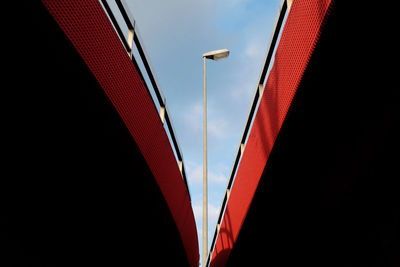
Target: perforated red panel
(299, 37)
(88, 28)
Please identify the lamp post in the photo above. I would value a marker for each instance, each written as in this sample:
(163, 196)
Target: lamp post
(214, 55)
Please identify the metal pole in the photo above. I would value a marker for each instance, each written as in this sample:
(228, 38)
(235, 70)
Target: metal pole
(205, 204)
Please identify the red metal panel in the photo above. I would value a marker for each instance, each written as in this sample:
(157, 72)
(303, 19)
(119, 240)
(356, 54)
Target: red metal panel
(299, 37)
(88, 28)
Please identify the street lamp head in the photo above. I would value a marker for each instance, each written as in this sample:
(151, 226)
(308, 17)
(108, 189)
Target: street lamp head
(217, 54)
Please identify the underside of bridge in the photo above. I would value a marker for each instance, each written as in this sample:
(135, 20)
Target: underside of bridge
(76, 188)
(329, 193)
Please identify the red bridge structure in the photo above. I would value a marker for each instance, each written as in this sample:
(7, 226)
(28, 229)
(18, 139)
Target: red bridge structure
(96, 174)
(315, 181)
(93, 173)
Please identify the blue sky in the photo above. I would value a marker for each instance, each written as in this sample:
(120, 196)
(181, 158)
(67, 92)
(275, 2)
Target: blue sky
(175, 34)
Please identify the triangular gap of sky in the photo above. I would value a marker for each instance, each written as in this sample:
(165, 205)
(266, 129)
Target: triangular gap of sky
(175, 34)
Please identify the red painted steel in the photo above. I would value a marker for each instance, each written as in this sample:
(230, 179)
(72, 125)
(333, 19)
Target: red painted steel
(90, 31)
(299, 37)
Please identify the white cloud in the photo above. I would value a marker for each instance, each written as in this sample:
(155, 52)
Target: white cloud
(255, 49)
(193, 117)
(245, 84)
(216, 177)
(198, 212)
(213, 213)
(217, 127)
(243, 91)
(235, 3)
(195, 174)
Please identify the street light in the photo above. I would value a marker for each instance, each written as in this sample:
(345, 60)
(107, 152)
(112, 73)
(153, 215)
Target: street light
(214, 55)
(217, 54)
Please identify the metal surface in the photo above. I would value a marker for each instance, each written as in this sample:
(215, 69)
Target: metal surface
(266, 64)
(214, 55)
(217, 54)
(283, 10)
(115, 24)
(135, 39)
(205, 201)
(124, 9)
